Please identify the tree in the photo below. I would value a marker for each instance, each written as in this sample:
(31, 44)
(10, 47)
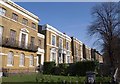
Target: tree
(106, 26)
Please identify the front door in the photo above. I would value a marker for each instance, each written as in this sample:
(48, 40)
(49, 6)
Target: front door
(38, 60)
(63, 58)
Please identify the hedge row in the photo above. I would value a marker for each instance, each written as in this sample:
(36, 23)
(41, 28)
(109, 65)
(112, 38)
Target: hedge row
(73, 69)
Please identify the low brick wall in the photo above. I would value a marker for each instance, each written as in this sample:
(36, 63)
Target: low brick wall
(7, 71)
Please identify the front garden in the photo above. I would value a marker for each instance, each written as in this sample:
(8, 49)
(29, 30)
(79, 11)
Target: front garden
(74, 73)
(49, 79)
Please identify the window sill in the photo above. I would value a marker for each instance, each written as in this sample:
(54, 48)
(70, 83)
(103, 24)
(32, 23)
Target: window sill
(21, 66)
(10, 65)
(31, 66)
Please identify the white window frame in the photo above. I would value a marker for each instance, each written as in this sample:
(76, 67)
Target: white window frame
(22, 60)
(55, 39)
(10, 58)
(68, 45)
(15, 16)
(31, 60)
(51, 57)
(1, 33)
(60, 43)
(33, 25)
(3, 11)
(20, 37)
(68, 59)
(24, 21)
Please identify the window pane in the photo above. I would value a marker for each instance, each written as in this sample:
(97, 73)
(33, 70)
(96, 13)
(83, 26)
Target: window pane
(32, 40)
(53, 56)
(2, 11)
(60, 43)
(34, 25)
(22, 59)
(15, 17)
(25, 21)
(10, 58)
(68, 59)
(12, 37)
(53, 40)
(23, 40)
(31, 60)
(39, 43)
(1, 32)
(67, 45)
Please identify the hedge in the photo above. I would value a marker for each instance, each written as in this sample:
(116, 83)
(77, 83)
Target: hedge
(48, 67)
(73, 69)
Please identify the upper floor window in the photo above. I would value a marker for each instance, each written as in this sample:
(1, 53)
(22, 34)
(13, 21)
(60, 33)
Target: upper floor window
(34, 25)
(61, 43)
(53, 40)
(1, 33)
(12, 36)
(23, 40)
(22, 59)
(25, 21)
(10, 58)
(39, 43)
(31, 60)
(15, 16)
(67, 45)
(32, 41)
(2, 11)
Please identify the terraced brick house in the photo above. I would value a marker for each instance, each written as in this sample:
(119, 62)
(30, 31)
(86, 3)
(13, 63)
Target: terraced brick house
(57, 45)
(40, 52)
(86, 52)
(19, 38)
(95, 55)
(76, 48)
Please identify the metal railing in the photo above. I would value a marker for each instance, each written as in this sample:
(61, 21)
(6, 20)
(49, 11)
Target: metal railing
(12, 43)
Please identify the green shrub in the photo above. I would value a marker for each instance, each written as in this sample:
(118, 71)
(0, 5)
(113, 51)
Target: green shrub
(63, 68)
(80, 68)
(56, 70)
(48, 67)
(73, 69)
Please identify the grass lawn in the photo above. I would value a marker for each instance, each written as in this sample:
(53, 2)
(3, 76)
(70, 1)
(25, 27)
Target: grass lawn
(49, 78)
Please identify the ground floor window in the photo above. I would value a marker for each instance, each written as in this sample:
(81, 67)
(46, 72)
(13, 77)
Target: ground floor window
(59, 58)
(22, 59)
(10, 58)
(68, 59)
(53, 56)
(1, 32)
(31, 60)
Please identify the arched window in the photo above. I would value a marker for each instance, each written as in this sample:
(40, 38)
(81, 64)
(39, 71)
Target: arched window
(31, 60)
(22, 59)
(10, 58)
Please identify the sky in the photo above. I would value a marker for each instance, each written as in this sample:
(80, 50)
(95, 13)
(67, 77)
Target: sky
(71, 18)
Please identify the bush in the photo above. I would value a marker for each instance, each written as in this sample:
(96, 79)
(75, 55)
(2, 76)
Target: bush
(56, 70)
(80, 68)
(48, 67)
(83, 67)
(63, 68)
(73, 69)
